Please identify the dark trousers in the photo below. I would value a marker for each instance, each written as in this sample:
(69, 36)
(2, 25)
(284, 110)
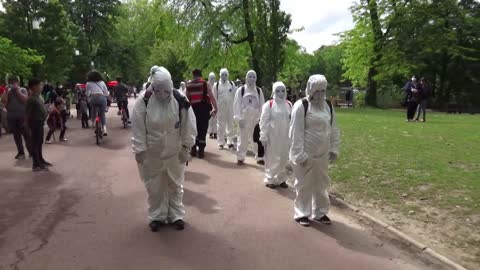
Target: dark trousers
(411, 109)
(19, 130)
(85, 120)
(63, 129)
(36, 128)
(256, 139)
(124, 105)
(202, 114)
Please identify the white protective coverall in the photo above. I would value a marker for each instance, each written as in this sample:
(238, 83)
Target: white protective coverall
(314, 143)
(212, 124)
(224, 91)
(274, 126)
(247, 110)
(183, 88)
(162, 138)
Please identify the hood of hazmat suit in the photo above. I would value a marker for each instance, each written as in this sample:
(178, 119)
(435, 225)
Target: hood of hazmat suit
(274, 127)
(212, 78)
(312, 135)
(224, 75)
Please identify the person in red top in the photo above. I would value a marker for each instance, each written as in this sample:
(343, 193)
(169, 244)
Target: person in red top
(55, 121)
(204, 105)
(2, 89)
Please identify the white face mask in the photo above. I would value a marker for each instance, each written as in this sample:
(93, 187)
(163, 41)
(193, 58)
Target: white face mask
(319, 95)
(251, 79)
(280, 93)
(162, 95)
(224, 77)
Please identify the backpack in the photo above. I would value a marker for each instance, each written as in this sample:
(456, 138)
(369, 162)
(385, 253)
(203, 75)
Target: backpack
(183, 102)
(305, 107)
(288, 102)
(258, 91)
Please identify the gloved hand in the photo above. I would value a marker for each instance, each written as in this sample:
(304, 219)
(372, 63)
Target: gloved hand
(241, 123)
(140, 157)
(264, 140)
(183, 155)
(333, 157)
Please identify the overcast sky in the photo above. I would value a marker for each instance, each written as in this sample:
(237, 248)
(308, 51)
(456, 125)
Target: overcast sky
(321, 20)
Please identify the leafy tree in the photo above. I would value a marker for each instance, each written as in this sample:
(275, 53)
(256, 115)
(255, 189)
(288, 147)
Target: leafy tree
(15, 60)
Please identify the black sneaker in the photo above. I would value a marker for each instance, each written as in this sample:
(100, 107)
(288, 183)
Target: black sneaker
(283, 185)
(179, 224)
(231, 147)
(211, 136)
(215, 136)
(240, 162)
(272, 186)
(325, 220)
(261, 162)
(221, 147)
(155, 225)
(304, 221)
(20, 156)
(201, 153)
(47, 164)
(39, 169)
(193, 152)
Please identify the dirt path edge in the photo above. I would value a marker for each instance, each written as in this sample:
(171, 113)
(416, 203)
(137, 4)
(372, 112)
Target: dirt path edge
(397, 234)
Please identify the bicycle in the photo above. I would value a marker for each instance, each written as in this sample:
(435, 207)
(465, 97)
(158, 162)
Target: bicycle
(124, 117)
(98, 126)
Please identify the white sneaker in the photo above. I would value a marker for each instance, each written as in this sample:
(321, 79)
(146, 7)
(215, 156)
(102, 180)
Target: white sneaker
(105, 133)
(48, 142)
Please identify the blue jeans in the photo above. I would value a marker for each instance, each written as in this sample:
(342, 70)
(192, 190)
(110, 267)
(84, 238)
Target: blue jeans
(99, 103)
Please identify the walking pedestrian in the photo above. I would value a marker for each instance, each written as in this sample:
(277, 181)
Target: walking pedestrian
(410, 101)
(274, 126)
(212, 125)
(36, 115)
(247, 109)
(15, 99)
(55, 121)
(203, 102)
(224, 91)
(314, 143)
(164, 130)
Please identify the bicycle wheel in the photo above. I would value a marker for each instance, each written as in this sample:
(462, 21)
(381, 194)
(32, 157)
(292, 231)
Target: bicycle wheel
(97, 133)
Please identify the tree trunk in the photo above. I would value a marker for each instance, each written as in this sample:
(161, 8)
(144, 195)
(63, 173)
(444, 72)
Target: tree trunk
(251, 39)
(371, 97)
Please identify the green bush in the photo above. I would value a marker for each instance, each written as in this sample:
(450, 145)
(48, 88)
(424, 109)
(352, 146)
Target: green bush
(359, 99)
(390, 96)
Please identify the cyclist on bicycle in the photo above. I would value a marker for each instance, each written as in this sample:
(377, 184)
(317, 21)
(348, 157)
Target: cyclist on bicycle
(121, 94)
(97, 92)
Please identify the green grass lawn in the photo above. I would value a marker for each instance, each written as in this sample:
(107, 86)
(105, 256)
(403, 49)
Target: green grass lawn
(421, 170)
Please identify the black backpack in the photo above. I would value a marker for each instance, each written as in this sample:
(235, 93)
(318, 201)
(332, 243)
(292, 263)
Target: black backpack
(258, 90)
(305, 107)
(183, 102)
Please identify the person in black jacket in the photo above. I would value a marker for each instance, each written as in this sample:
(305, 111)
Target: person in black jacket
(422, 98)
(411, 89)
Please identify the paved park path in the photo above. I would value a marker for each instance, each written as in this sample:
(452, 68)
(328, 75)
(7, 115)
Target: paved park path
(88, 213)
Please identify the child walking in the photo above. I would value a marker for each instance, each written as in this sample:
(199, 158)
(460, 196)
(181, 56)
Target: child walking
(83, 108)
(57, 119)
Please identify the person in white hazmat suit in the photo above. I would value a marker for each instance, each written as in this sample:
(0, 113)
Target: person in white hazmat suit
(212, 124)
(247, 108)
(314, 144)
(274, 127)
(224, 91)
(164, 130)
